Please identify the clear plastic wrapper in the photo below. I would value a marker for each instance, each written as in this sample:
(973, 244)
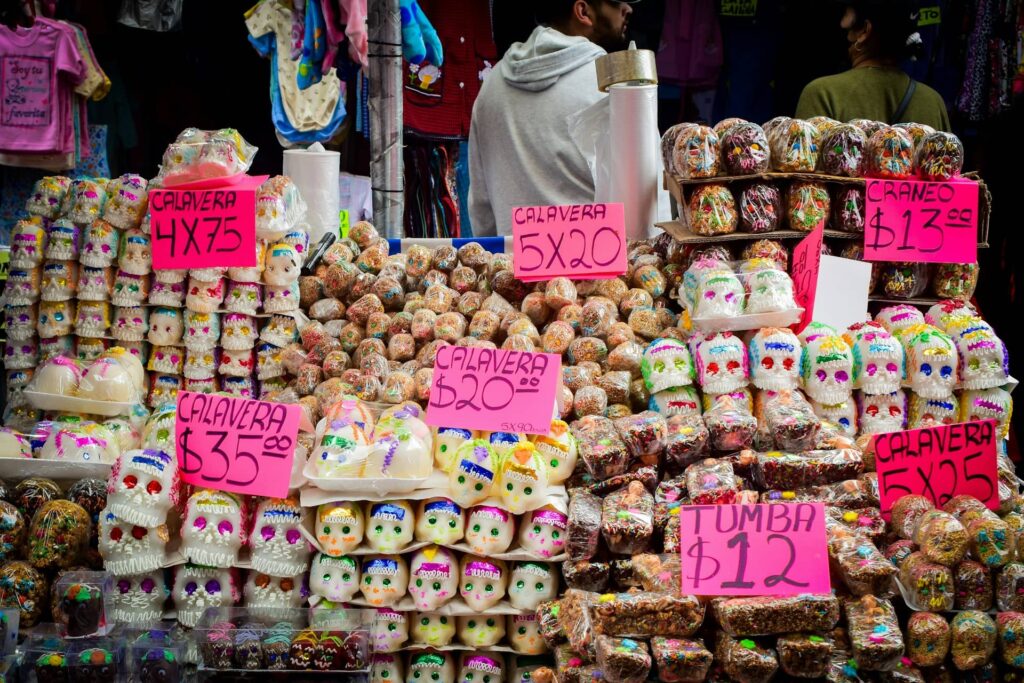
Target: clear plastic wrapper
(875, 638)
(745, 660)
(549, 625)
(1009, 626)
(903, 280)
(972, 582)
(955, 280)
(842, 152)
(939, 156)
(586, 575)
(973, 639)
(848, 210)
(758, 616)
(941, 537)
(859, 564)
(760, 208)
(928, 585)
(199, 155)
(711, 482)
(279, 207)
(745, 150)
(644, 435)
(794, 146)
(643, 615)
(583, 531)
(730, 428)
(575, 617)
(680, 660)
(1010, 588)
(80, 603)
(712, 210)
(695, 152)
(863, 522)
(793, 425)
(602, 451)
(623, 660)
(907, 512)
(658, 573)
(928, 638)
(686, 440)
(778, 470)
(571, 667)
(890, 154)
(627, 519)
(804, 655)
(807, 206)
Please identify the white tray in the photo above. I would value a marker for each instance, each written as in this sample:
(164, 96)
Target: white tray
(752, 321)
(20, 468)
(360, 485)
(75, 404)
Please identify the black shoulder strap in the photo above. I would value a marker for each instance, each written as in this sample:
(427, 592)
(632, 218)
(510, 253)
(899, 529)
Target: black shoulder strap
(905, 104)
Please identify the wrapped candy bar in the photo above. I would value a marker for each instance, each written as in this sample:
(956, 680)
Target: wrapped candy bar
(759, 616)
(686, 440)
(680, 660)
(875, 638)
(856, 560)
(712, 210)
(730, 428)
(623, 660)
(648, 476)
(1009, 627)
(575, 618)
(627, 519)
(793, 424)
(586, 575)
(711, 482)
(903, 280)
(804, 655)
(929, 585)
(659, 573)
(778, 470)
(972, 582)
(602, 451)
(973, 639)
(745, 660)
(865, 521)
(642, 615)
(941, 537)
(644, 435)
(906, 512)
(760, 208)
(549, 625)
(928, 637)
(1010, 588)
(583, 530)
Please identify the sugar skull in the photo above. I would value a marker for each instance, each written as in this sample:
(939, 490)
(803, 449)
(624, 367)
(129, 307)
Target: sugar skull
(244, 297)
(128, 435)
(81, 441)
(88, 197)
(339, 528)
(827, 370)
(62, 241)
(984, 361)
(988, 404)
(843, 414)
(335, 579)
(440, 520)
(207, 385)
(472, 474)
(278, 206)
(21, 355)
(58, 281)
(542, 533)
(129, 289)
(342, 451)
(129, 548)
(932, 361)
(197, 588)
(481, 668)
(267, 594)
(22, 287)
(402, 445)
(446, 441)
(524, 634)
(89, 350)
(269, 363)
(933, 412)
(878, 361)
(882, 413)
(21, 322)
(775, 359)
(166, 326)
(144, 486)
(169, 360)
(281, 298)
(99, 245)
(47, 195)
(719, 296)
(138, 598)
(434, 577)
(895, 319)
(204, 296)
(278, 545)
(167, 294)
(136, 253)
(92, 319)
(203, 363)
(523, 479)
(127, 201)
(250, 274)
(430, 667)
(212, 532)
(385, 579)
(432, 630)
(387, 668)
(769, 291)
(239, 387)
(489, 530)
(303, 649)
(282, 265)
(389, 525)
(483, 582)
(390, 630)
(531, 583)
(666, 364)
(95, 284)
(202, 330)
(131, 323)
(944, 312)
(235, 363)
(28, 244)
(280, 330)
(722, 363)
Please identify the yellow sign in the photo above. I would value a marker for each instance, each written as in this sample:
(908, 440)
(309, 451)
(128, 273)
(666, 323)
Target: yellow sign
(930, 16)
(343, 223)
(739, 8)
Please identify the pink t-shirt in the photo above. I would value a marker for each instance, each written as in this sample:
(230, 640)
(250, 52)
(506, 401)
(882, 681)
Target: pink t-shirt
(38, 68)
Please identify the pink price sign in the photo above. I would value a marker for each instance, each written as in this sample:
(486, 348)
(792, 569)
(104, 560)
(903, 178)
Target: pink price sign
(236, 444)
(494, 389)
(582, 241)
(202, 226)
(921, 222)
(938, 463)
(806, 265)
(754, 549)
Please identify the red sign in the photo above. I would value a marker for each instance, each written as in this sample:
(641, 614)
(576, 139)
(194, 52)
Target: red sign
(198, 226)
(921, 222)
(754, 549)
(236, 444)
(806, 264)
(494, 389)
(938, 463)
(582, 241)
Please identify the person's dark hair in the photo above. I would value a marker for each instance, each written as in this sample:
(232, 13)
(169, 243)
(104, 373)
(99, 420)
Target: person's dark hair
(893, 22)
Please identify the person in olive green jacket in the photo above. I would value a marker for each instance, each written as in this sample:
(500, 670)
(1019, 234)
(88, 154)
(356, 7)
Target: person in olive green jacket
(876, 87)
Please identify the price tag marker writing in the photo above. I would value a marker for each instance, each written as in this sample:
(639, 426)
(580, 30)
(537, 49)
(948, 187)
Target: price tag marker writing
(582, 241)
(806, 265)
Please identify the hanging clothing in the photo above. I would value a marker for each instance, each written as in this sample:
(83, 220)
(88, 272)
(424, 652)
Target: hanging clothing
(151, 15)
(690, 53)
(991, 63)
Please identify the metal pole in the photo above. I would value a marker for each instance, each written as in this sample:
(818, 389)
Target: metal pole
(387, 172)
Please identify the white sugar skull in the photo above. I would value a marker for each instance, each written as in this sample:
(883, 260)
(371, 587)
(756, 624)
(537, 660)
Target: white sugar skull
(95, 284)
(62, 241)
(265, 594)
(895, 319)
(481, 668)
(99, 245)
(198, 588)
(282, 265)
(988, 404)
(719, 296)
(281, 298)
(21, 354)
(47, 195)
(933, 412)
(21, 322)
(531, 583)
(842, 414)
(524, 634)
(253, 274)
(390, 630)
(128, 436)
(28, 242)
(58, 281)
(144, 486)
(878, 361)
(489, 530)
(127, 201)
(385, 579)
(523, 479)
(666, 364)
(80, 441)
(542, 533)
(204, 296)
(22, 287)
(169, 360)
(138, 598)
(441, 521)
(244, 297)
(722, 363)
(278, 546)
(816, 330)
(769, 291)
(343, 449)
(202, 386)
(402, 446)
(239, 387)
(90, 349)
(430, 667)
(446, 441)
(481, 630)
(269, 363)
(944, 312)
(483, 582)
(827, 370)
(882, 413)
(677, 401)
(278, 206)
(339, 528)
(472, 475)
(434, 577)
(775, 359)
(167, 294)
(387, 668)
(335, 579)
(129, 289)
(239, 332)
(932, 361)
(558, 450)
(136, 253)
(88, 198)
(984, 362)
(92, 319)
(698, 271)
(131, 323)
(389, 525)
(281, 330)
(202, 330)
(129, 548)
(433, 630)
(212, 531)
(203, 363)
(166, 326)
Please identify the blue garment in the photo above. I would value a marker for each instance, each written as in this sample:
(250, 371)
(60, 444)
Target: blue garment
(314, 47)
(462, 186)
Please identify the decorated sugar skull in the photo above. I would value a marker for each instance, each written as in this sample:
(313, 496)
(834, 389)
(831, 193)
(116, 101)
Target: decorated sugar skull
(882, 413)
(129, 548)
(389, 525)
(203, 363)
(769, 290)
(239, 387)
(483, 582)
(28, 242)
(945, 311)
(282, 265)
(58, 281)
(280, 330)
(502, 444)
(88, 199)
(390, 630)
(531, 583)
(489, 530)
(239, 332)
(131, 323)
(166, 326)
(430, 667)
(698, 271)
(128, 435)
(127, 201)
(722, 363)
(895, 319)
(281, 298)
(481, 668)
(827, 370)
(129, 289)
(264, 594)
(402, 446)
(56, 346)
(269, 363)
(387, 668)
(99, 245)
(558, 450)
(204, 296)
(210, 385)
(434, 630)
(842, 414)
(719, 295)
(21, 322)
(335, 579)
(197, 588)
(169, 360)
(89, 350)
(22, 287)
(933, 412)
(472, 475)
(434, 577)
(144, 486)
(167, 294)
(21, 354)
(92, 319)
(278, 206)
(384, 580)
(775, 359)
(523, 479)
(339, 528)
(136, 253)
(988, 404)
(80, 441)
(984, 362)
(932, 361)
(878, 361)
(47, 195)
(95, 284)
(440, 520)
(244, 297)
(250, 274)
(816, 330)
(202, 330)
(342, 451)
(299, 239)
(278, 546)
(138, 598)
(666, 364)
(212, 531)
(446, 441)
(524, 634)
(62, 241)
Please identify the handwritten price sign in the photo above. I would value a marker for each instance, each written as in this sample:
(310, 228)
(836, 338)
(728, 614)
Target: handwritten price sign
(236, 444)
(806, 266)
(909, 220)
(754, 549)
(493, 389)
(205, 228)
(938, 463)
(583, 241)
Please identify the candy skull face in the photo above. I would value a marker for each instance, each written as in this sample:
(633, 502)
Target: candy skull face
(842, 414)
(203, 329)
(95, 284)
(483, 582)
(281, 298)
(435, 577)
(878, 362)
(58, 280)
(268, 362)
(435, 630)
(21, 354)
(932, 412)
(524, 634)
(165, 327)
(446, 442)
(472, 472)
(334, 578)
(139, 598)
(479, 668)
(883, 413)
(130, 323)
(827, 370)
(775, 359)
(136, 255)
(167, 359)
(201, 363)
(128, 198)
(212, 530)
(272, 592)
(387, 669)
(88, 199)
(722, 363)
(558, 451)
(129, 289)
(278, 546)
(55, 319)
(92, 318)
(769, 291)
(244, 297)
(897, 318)
(47, 195)
(389, 525)
(430, 667)
(243, 274)
(984, 361)
(523, 479)
(239, 332)
(239, 387)
(22, 287)
(99, 245)
(204, 296)
(27, 241)
(932, 361)
(129, 548)
(988, 404)
(280, 331)
(390, 630)
(197, 588)
(339, 528)
(543, 535)
(402, 448)
(282, 265)
(439, 520)
(666, 364)
(62, 242)
(385, 579)
(719, 296)
(489, 530)
(143, 487)
(343, 449)
(531, 584)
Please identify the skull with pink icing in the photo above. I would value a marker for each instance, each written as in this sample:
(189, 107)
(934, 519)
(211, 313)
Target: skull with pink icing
(489, 530)
(434, 577)
(99, 245)
(28, 241)
(212, 532)
(390, 630)
(542, 532)
(278, 545)
(480, 668)
(878, 360)
(482, 582)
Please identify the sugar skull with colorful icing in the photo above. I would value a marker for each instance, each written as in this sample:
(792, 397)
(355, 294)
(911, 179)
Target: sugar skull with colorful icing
(58, 281)
(136, 253)
(387, 668)
(92, 319)
(244, 297)
(144, 486)
(433, 630)
(524, 634)
(22, 287)
(138, 598)
(250, 274)
(339, 527)
(988, 404)
(80, 441)
(895, 319)
(281, 298)
(335, 579)
(441, 521)
(21, 322)
(128, 198)
(343, 449)
(523, 479)
(99, 245)
(558, 450)
(203, 363)
(827, 370)
(932, 361)
(28, 243)
(169, 360)
(430, 667)
(56, 319)
(131, 323)
(480, 668)
(882, 413)
(384, 580)
(434, 577)
(212, 532)
(204, 296)
(775, 359)
(166, 326)
(239, 332)
(88, 199)
(402, 445)
(197, 588)
(446, 441)
(278, 546)
(472, 475)
(489, 530)
(281, 330)
(389, 525)
(389, 631)
(719, 296)
(722, 363)
(666, 364)
(269, 362)
(933, 412)
(984, 362)
(129, 548)
(842, 414)
(532, 583)
(278, 206)
(676, 401)
(202, 330)
(62, 241)
(769, 291)
(47, 195)
(483, 582)
(878, 361)
(282, 265)
(264, 594)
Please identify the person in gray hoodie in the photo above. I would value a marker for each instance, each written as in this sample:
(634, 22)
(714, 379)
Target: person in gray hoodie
(520, 150)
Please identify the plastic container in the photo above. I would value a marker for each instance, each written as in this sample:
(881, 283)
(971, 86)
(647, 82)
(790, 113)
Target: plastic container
(79, 603)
